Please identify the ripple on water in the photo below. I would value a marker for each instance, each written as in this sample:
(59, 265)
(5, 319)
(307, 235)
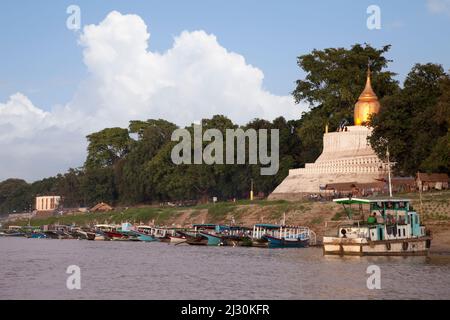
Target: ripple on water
(35, 269)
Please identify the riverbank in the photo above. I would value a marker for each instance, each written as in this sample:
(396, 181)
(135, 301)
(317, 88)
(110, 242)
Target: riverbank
(434, 208)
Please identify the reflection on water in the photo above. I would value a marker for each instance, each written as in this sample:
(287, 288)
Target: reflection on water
(35, 269)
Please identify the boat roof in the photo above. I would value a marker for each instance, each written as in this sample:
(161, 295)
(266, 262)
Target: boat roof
(204, 225)
(267, 225)
(368, 200)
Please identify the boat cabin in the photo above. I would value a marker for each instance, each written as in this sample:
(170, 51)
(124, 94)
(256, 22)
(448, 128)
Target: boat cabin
(279, 231)
(386, 219)
(158, 232)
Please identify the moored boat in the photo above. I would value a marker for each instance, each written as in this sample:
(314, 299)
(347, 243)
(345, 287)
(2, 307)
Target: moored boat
(281, 236)
(391, 229)
(294, 241)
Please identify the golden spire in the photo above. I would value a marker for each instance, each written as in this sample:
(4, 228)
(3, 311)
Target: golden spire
(367, 104)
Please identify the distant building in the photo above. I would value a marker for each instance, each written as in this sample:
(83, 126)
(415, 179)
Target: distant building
(429, 181)
(46, 205)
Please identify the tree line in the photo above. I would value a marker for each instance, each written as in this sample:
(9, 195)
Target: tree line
(133, 165)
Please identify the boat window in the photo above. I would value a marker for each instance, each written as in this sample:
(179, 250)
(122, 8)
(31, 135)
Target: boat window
(404, 232)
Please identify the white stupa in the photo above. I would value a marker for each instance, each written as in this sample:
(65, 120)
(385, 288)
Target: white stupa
(346, 157)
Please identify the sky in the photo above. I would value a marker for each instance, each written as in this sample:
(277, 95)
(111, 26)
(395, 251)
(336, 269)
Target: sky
(177, 60)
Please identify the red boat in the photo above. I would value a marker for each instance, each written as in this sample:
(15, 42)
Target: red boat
(114, 235)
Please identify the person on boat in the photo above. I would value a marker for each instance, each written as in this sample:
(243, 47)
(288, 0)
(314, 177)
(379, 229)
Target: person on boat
(372, 219)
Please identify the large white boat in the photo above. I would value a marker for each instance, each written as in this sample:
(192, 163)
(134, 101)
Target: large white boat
(388, 227)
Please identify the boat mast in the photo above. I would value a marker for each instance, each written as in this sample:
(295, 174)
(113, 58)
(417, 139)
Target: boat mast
(389, 171)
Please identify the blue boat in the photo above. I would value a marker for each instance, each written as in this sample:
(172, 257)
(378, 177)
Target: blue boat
(213, 240)
(281, 236)
(37, 235)
(289, 242)
(138, 236)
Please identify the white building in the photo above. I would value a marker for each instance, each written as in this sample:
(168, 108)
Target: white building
(47, 203)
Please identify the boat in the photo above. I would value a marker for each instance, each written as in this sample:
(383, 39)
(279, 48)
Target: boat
(138, 236)
(392, 228)
(213, 240)
(13, 231)
(177, 239)
(82, 233)
(194, 238)
(293, 241)
(109, 232)
(209, 231)
(281, 236)
(12, 234)
(37, 235)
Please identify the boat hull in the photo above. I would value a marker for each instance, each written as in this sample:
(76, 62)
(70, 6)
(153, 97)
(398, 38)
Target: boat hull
(213, 240)
(283, 243)
(175, 240)
(362, 247)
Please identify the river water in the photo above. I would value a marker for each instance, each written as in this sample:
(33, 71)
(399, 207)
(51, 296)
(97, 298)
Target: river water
(36, 269)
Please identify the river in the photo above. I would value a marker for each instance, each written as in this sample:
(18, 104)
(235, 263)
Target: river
(36, 269)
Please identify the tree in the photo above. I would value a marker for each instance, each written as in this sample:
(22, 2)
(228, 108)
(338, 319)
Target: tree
(408, 121)
(132, 179)
(107, 147)
(15, 196)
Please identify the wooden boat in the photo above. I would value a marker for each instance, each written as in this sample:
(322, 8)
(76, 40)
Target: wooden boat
(392, 229)
(57, 234)
(281, 236)
(177, 239)
(289, 242)
(213, 240)
(37, 235)
(195, 239)
(236, 241)
(135, 235)
(114, 235)
(12, 234)
(109, 232)
(83, 234)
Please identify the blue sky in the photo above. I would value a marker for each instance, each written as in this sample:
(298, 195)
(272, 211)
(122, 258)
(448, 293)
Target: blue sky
(236, 58)
(41, 58)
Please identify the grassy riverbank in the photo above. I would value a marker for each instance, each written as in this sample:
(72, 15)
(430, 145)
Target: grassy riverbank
(434, 208)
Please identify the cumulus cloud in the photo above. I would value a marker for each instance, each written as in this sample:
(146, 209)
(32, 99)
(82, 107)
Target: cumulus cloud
(439, 6)
(194, 79)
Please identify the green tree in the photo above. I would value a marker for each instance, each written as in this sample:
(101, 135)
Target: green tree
(107, 147)
(408, 121)
(15, 196)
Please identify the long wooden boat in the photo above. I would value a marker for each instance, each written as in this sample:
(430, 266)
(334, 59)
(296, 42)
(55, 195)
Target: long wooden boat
(195, 239)
(177, 239)
(281, 236)
(213, 240)
(237, 241)
(12, 234)
(291, 242)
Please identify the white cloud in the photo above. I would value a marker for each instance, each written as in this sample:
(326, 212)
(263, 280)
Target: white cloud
(439, 6)
(195, 79)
